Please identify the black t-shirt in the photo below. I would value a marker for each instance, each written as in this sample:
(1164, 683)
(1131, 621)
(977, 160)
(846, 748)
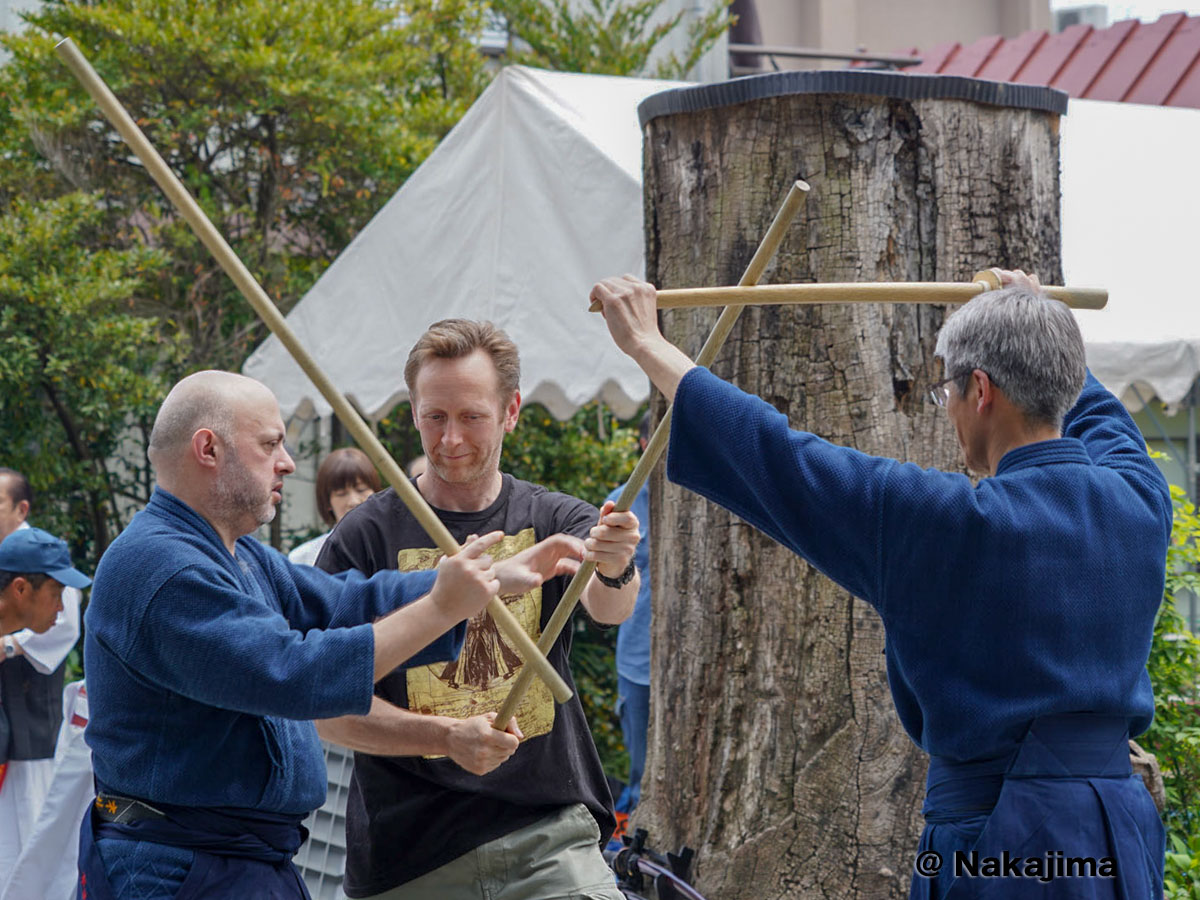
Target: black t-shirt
(408, 815)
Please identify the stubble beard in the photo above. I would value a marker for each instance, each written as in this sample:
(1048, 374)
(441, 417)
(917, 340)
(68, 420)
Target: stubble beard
(237, 496)
(482, 470)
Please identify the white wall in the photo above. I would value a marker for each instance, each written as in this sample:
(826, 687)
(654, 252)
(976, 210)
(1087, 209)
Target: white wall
(10, 13)
(892, 26)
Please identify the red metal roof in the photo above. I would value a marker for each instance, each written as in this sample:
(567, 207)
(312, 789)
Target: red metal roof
(1157, 63)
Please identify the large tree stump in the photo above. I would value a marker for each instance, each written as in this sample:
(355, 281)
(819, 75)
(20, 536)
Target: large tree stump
(775, 750)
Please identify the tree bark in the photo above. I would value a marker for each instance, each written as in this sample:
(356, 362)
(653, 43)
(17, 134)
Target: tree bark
(775, 750)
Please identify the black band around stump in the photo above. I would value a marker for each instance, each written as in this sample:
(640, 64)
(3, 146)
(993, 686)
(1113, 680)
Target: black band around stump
(621, 580)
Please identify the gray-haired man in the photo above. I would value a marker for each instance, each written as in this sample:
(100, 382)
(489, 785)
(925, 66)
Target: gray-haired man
(1018, 612)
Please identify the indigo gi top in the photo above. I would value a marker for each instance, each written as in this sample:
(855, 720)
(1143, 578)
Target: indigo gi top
(1030, 594)
(205, 670)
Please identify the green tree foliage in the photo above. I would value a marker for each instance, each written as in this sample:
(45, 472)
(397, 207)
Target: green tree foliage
(1175, 735)
(290, 122)
(607, 37)
(586, 456)
(78, 369)
(1174, 738)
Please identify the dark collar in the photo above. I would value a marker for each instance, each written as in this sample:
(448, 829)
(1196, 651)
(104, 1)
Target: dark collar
(1044, 453)
(167, 506)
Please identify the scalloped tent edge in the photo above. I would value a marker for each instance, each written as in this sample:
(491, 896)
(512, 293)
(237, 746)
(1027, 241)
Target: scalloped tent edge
(537, 192)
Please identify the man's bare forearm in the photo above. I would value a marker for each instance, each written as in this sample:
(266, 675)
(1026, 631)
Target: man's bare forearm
(389, 730)
(610, 606)
(665, 363)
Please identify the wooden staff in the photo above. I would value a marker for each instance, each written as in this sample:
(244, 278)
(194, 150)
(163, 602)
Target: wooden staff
(258, 299)
(658, 443)
(866, 292)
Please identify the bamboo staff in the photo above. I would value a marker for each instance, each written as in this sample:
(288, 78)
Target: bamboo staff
(258, 299)
(866, 292)
(658, 443)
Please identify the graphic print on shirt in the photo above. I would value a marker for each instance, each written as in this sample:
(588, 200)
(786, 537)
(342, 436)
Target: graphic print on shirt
(480, 679)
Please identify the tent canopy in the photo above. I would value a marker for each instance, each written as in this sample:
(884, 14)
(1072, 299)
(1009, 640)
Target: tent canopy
(536, 193)
(533, 197)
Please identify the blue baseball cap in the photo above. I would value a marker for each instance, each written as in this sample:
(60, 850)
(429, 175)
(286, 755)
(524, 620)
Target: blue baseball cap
(31, 551)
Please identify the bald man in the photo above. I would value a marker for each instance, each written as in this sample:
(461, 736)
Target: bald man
(208, 655)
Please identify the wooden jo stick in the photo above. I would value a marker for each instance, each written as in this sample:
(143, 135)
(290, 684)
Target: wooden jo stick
(258, 299)
(866, 292)
(658, 443)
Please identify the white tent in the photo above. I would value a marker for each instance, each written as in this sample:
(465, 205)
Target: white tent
(531, 198)
(537, 192)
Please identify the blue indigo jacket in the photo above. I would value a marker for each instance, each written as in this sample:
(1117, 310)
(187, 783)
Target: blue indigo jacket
(204, 669)
(1032, 593)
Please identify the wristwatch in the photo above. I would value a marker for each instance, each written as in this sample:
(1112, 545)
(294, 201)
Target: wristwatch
(621, 580)
(10, 646)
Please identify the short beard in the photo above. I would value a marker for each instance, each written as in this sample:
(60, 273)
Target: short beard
(480, 472)
(237, 497)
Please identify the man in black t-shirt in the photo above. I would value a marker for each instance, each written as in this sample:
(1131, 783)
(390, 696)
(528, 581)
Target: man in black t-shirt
(429, 813)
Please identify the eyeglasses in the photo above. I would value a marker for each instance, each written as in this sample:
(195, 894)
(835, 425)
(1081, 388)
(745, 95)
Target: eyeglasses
(939, 392)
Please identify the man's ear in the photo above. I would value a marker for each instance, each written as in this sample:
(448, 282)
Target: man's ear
(205, 448)
(512, 412)
(22, 509)
(985, 391)
(21, 587)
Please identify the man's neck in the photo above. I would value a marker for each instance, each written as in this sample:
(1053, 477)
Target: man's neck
(472, 496)
(199, 505)
(1019, 437)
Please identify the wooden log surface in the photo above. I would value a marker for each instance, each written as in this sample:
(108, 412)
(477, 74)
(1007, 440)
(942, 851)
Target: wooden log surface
(774, 747)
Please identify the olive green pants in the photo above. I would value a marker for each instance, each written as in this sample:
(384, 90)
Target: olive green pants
(555, 858)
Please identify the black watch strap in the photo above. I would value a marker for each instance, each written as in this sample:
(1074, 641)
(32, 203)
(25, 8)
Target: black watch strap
(621, 580)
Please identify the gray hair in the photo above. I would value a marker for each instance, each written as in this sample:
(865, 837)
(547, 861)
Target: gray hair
(1029, 345)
